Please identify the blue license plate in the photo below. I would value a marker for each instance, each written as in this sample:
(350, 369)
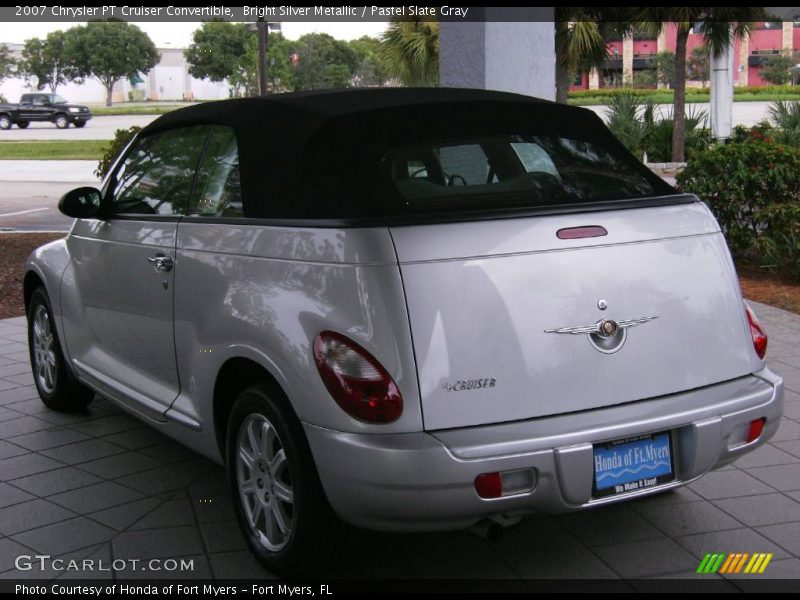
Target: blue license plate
(633, 464)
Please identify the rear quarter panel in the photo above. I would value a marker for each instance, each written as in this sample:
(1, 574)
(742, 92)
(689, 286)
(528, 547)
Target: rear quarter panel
(264, 293)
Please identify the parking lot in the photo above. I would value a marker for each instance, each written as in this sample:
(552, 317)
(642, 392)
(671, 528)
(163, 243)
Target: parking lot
(102, 485)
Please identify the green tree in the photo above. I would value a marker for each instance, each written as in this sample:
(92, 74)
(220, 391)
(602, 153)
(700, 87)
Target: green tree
(777, 69)
(698, 65)
(324, 62)
(109, 51)
(371, 70)
(410, 51)
(48, 61)
(7, 62)
(221, 50)
(280, 71)
(718, 25)
(665, 67)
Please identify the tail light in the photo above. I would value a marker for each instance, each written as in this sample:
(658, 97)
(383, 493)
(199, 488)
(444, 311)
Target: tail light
(356, 380)
(757, 332)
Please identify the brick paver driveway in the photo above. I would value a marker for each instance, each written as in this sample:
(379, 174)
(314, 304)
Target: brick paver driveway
(103, 485)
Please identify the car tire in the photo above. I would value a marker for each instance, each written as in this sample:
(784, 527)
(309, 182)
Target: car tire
(79, 124)
(5, 122)
(54, 381)
(61, 121)
(23, 124)
(280, 504)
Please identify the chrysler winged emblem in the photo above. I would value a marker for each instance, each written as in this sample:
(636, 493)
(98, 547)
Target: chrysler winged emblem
(607, 335)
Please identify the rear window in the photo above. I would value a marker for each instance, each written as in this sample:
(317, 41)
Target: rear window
(513, 170)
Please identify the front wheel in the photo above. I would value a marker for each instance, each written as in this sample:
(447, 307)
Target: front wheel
(280, 505)
(55, 383)
(5, 122)
(61, 121)
(23, 124)
(79, 124)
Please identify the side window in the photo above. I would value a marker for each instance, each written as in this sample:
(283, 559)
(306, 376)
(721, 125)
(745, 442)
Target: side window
(217, 192)
(156, 176)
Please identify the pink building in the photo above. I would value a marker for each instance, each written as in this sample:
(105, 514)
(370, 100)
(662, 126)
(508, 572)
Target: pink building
(628, 56)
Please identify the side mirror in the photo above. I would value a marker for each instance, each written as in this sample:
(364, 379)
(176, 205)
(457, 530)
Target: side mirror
(81, 203)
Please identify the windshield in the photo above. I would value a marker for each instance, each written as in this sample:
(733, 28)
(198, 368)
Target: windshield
(514, 170)
(56, 99)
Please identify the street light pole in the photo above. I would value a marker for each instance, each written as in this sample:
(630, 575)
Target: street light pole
(263, 32)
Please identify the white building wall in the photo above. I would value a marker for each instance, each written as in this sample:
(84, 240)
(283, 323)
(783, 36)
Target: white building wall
(171, 82)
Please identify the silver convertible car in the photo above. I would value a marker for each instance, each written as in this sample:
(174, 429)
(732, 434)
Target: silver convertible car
(403, 309)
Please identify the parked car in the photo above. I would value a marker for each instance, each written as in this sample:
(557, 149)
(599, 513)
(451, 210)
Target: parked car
(403, 309)
(43, 107)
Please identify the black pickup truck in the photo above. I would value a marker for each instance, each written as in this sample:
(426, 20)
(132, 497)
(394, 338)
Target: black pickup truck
(43, 107)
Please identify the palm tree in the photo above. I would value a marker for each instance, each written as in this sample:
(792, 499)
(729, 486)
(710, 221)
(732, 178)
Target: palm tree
(581, 34)
(410, 51)
(579, 46)
(719, 25)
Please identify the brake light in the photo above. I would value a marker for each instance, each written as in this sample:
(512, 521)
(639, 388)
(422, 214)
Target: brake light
(357, 381)
(755, 429)
(757, 332)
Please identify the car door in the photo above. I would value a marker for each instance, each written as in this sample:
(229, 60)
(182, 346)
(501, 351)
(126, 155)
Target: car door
(40, 109)
(27, 108)
(120, 329)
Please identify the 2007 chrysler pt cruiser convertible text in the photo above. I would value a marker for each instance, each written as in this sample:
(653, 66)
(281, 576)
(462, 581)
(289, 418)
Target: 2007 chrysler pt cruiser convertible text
(405, 310)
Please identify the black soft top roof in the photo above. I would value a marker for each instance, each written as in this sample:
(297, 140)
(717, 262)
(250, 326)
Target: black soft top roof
(317, 155)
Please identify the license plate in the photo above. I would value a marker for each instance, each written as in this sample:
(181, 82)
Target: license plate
(632, 464)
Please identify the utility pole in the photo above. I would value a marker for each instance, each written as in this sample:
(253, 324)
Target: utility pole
(722, 93)
(263, 32)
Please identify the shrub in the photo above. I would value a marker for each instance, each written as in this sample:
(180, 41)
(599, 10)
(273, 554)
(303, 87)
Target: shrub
(634, 123)
(117, 145)
(785, 116)
(626, 123)
(753, 188)
(659, 139)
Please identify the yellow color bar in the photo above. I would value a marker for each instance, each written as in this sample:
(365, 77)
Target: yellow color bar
(755, 562)
(765, 563)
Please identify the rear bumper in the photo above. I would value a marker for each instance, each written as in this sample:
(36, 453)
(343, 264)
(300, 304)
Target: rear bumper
(424, 481)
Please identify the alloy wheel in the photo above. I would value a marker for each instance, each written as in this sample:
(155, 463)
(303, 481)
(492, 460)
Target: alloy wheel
(264, 482)
(44, 352)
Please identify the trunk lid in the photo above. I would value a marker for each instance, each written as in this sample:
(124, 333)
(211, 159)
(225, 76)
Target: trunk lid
(484, 298)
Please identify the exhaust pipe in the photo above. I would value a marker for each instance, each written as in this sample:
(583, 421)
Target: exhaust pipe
(488, 530)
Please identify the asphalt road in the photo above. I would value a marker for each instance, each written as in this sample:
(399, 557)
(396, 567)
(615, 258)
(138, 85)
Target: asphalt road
(99, 128)
(32, 206)
(30, 189)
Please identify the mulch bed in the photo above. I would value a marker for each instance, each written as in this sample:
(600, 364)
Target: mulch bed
(765, 286)
(14, 251)
(757, 284)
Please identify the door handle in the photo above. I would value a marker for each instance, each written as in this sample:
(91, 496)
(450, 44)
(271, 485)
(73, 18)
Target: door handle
(161, 263)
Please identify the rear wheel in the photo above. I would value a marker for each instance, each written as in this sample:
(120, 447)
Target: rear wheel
(5, 122)
(280, 505)
(61, 121)
(55, 383)
(23, 124)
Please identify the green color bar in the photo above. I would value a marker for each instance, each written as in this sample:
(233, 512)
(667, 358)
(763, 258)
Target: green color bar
(718, 563)
(702, 567)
